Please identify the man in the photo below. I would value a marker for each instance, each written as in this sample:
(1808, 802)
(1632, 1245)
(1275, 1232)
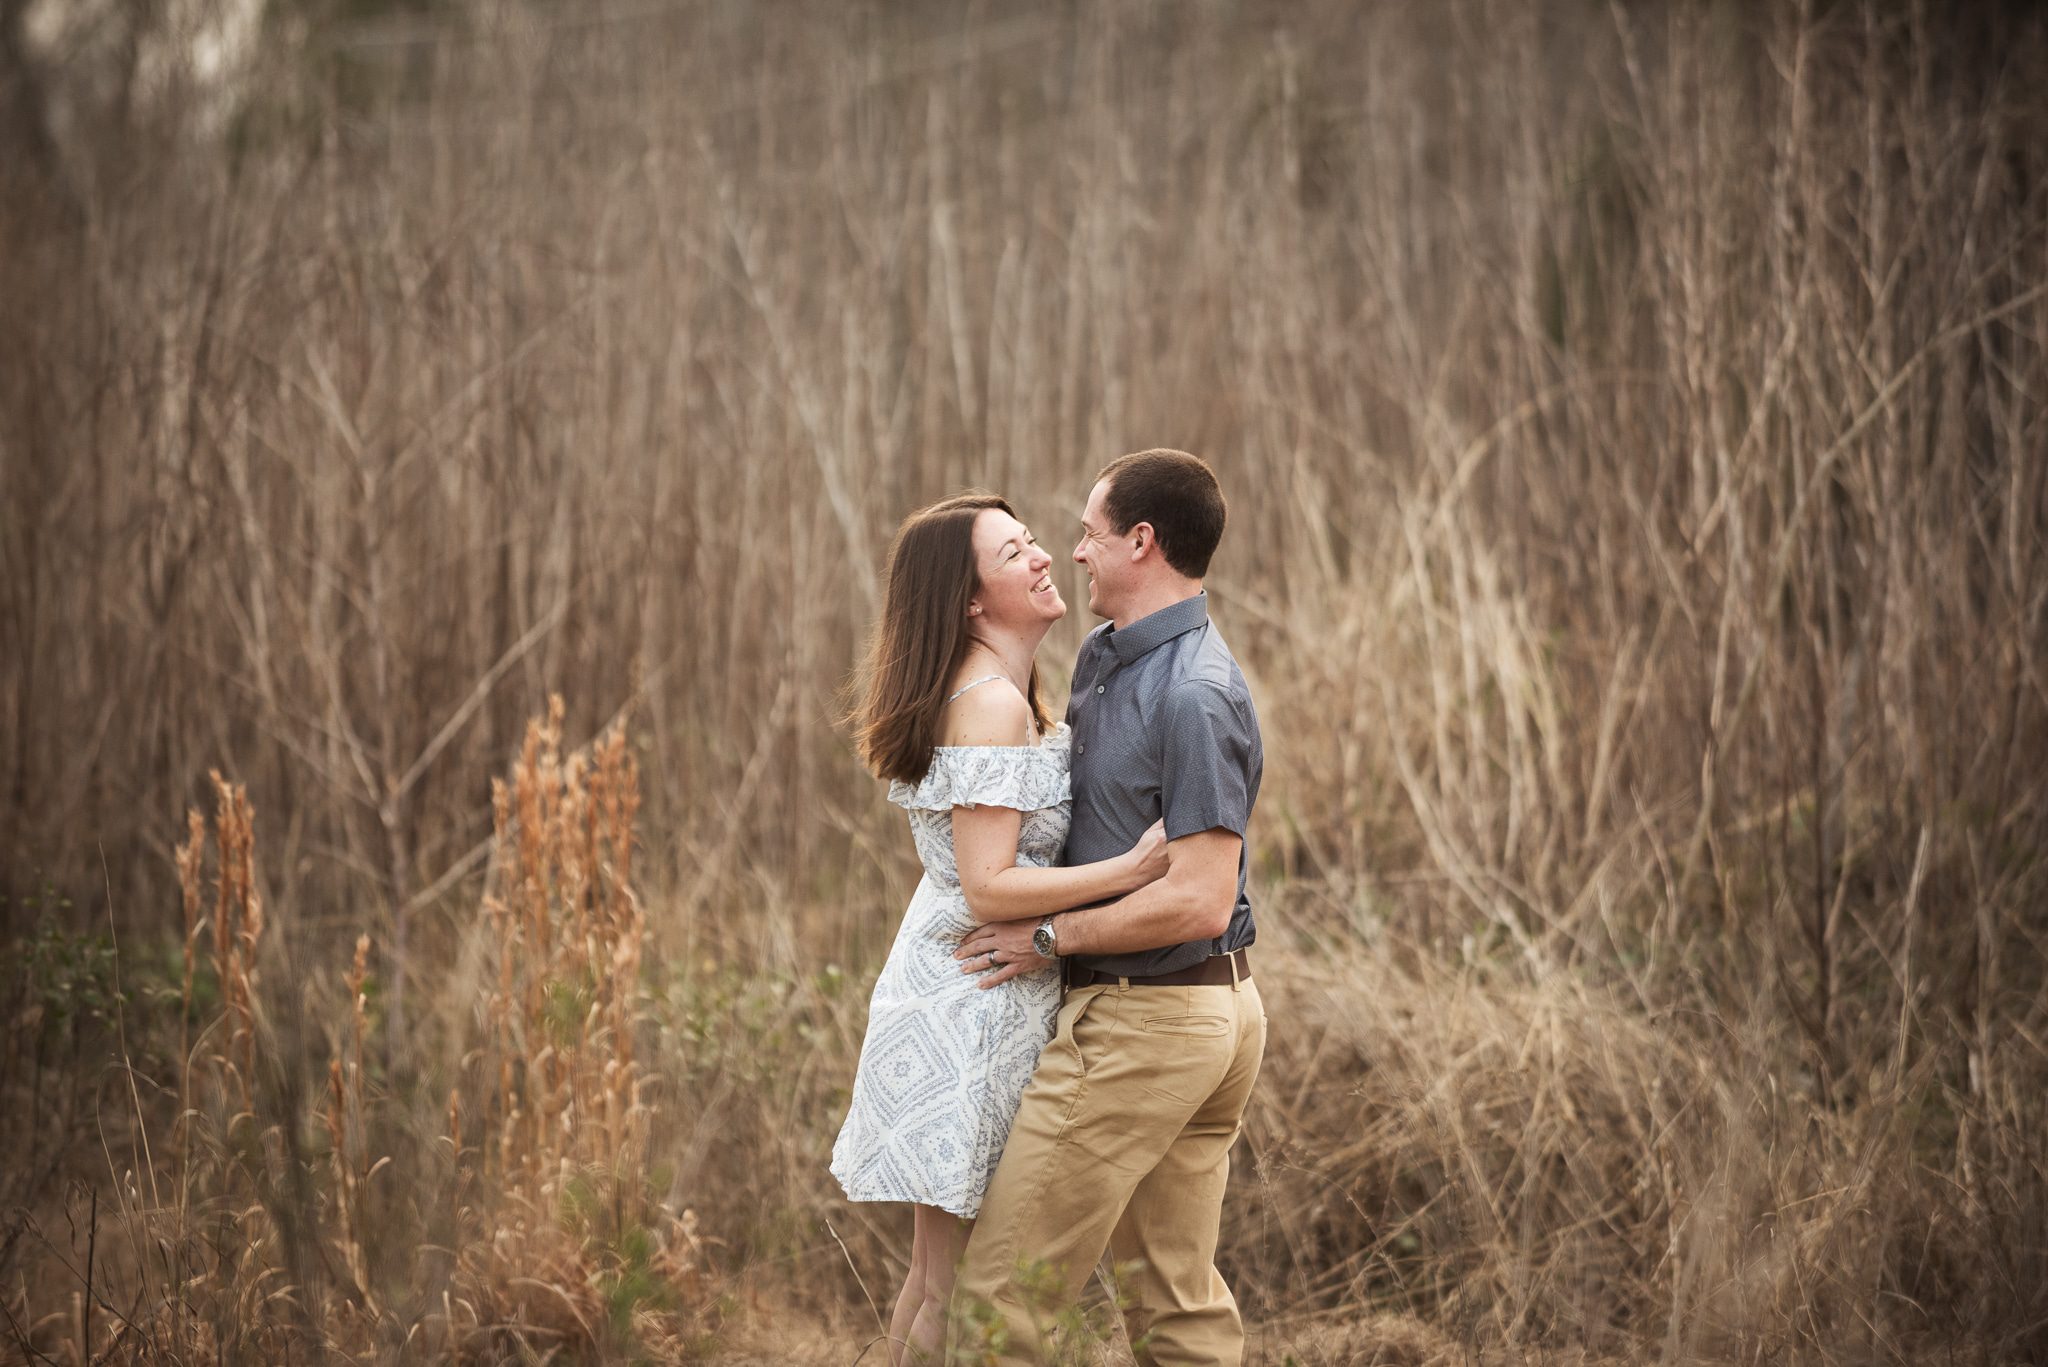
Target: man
(1123, 1140)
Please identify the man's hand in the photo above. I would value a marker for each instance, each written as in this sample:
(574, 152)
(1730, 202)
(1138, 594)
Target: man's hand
(1009, 942)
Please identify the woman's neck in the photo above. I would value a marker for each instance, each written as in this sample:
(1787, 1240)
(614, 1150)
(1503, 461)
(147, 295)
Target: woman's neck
(1011, 653)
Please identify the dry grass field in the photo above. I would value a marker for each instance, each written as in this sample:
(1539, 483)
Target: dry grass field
(1635, 421)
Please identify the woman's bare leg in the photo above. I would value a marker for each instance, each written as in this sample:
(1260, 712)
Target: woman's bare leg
(943, 1236)
(911, 1298)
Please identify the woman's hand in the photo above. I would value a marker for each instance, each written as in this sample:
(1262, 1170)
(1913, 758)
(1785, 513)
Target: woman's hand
(1148, 856)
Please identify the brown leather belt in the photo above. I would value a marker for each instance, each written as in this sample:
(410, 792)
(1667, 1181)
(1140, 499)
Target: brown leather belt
(1211, 971)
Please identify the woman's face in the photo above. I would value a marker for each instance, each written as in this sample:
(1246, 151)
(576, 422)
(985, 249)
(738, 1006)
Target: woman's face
(1016, 576)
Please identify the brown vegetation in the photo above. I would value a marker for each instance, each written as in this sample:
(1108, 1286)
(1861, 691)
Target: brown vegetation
(1634, 424)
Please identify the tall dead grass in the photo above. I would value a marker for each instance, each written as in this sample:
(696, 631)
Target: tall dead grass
(1633, 424)
(528, 1226)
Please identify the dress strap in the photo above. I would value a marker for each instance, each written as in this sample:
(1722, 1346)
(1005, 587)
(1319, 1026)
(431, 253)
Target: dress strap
(976, 684)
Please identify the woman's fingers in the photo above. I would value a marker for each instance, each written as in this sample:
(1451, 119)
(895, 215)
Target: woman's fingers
(1151, 852)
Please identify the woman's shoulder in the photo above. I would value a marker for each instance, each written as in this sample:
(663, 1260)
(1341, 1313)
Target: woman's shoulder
(988, 712)
(1023, 776)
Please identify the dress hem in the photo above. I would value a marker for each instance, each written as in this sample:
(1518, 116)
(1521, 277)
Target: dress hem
(968, 1213)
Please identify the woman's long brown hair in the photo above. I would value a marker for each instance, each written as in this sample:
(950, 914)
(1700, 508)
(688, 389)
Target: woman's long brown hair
(922, 637)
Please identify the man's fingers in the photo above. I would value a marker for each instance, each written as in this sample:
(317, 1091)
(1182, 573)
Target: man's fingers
(981, 961)
(1003, 973)
(1015, 968)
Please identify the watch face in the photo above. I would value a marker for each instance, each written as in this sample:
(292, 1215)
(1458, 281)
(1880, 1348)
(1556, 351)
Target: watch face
(1041, 940)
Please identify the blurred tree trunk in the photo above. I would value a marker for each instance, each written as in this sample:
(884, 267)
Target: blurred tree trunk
(28, 154)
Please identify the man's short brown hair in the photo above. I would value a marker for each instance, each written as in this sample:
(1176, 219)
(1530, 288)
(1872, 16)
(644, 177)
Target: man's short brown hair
(1177, 493)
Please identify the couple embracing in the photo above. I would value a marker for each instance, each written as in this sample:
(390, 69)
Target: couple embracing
(1064, 1037)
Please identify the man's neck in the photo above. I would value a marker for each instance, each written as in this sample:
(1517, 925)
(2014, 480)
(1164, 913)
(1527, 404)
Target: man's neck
(1154, 598)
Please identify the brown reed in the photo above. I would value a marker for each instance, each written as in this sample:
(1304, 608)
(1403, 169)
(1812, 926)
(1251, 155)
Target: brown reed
(563, 1100)
(558, 1243)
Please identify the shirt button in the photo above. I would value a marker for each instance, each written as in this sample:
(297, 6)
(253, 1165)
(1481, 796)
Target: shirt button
(1082, 747)
(1098, 688)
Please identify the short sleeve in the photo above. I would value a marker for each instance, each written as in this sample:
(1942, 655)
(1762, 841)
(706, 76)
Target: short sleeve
(1209, 770)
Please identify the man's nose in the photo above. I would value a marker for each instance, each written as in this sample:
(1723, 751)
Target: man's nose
(1080, 546)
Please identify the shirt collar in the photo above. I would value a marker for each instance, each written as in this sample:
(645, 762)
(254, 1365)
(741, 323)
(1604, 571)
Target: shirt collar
(1159, 628)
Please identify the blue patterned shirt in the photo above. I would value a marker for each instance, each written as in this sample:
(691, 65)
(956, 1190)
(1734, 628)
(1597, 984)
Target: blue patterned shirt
(1163, 727)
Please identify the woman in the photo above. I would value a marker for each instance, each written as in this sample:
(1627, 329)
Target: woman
(950, 715)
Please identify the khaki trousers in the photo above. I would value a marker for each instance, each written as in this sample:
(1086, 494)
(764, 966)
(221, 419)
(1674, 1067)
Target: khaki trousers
(1122, 1143)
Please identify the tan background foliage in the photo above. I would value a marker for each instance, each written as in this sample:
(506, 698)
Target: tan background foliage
(1633, 420)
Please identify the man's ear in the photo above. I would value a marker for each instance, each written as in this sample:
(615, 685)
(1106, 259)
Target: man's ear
(1143, 540)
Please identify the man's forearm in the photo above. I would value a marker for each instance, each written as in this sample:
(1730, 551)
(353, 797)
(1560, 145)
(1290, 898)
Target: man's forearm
(1156, 915)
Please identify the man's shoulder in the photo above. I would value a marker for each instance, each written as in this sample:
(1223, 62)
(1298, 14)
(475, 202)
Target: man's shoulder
(1207, 692)
(1206, 663)
(1206, 695)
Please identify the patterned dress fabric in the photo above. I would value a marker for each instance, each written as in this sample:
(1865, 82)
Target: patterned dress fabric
(944, 1063)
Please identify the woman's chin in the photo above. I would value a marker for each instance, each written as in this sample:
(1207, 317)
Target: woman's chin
(1048, 606)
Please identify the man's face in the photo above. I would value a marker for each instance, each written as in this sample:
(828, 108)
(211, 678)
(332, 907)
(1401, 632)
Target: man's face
(1096, 552)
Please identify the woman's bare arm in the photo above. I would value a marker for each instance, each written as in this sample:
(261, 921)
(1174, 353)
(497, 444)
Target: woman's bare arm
(985, 837)
(998, 888)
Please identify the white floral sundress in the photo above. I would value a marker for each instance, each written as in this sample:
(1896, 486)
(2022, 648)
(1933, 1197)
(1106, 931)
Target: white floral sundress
(944, 1063)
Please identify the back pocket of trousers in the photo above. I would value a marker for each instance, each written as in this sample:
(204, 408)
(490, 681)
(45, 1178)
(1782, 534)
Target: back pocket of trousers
(1189, 1026)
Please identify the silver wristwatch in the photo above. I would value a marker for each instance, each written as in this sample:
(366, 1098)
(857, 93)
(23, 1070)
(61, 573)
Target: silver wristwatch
(1043, 940)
